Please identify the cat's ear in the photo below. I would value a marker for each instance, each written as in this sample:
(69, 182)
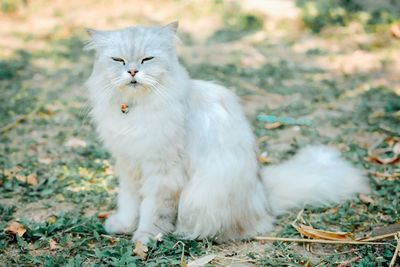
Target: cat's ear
(173, 26)
(92, 32)
(96, 40)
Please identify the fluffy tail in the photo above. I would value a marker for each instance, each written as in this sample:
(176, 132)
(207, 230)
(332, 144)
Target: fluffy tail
(317, 175)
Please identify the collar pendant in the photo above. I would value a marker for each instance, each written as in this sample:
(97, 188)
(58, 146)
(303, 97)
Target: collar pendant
(124, 108)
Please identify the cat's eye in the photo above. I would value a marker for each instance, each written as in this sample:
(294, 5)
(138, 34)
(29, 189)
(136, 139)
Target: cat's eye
(146, 59)
(118, 59)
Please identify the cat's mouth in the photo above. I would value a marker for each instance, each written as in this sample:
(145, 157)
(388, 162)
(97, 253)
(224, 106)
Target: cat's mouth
(132, 83)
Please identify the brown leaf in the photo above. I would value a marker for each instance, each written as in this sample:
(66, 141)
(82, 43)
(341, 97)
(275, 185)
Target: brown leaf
(103, 215)
(15, 228)
(53, 244)
(384, 161)
(140, 250)
(366, 199)
(389, 154)
(112, 240)
(109, 170)
(9, 173)
(44, 160)
(75, 143)
(263, 158)
(31, 179)
(395, 30)
(391, 140)
(386, 175)
(311, 232)
(273, 125)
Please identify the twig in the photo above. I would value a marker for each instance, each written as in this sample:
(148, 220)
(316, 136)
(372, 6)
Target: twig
(379, 237)
(345, 263)
(71, 228)
(396, 252)
(385, 175)
(234, 259)
(322, 241)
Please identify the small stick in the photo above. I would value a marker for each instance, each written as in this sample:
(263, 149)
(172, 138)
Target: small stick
(379, 237)
(396, 252)
(322, 241)
(234, 259)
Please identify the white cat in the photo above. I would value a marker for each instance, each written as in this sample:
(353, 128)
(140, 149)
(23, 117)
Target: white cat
(184, 150)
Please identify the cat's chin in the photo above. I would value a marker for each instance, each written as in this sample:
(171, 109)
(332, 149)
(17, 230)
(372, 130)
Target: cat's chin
(129, 86)
(132, 84)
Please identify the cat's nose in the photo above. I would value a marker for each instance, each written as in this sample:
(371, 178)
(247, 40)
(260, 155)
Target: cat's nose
(133, 72)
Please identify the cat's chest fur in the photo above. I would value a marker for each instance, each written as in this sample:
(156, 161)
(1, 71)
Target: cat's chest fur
(143, 132)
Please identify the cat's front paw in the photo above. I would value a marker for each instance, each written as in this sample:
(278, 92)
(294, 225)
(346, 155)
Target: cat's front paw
(143, 237)
(117, 224)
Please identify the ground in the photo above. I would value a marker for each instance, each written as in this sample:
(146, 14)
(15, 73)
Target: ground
(56, 177)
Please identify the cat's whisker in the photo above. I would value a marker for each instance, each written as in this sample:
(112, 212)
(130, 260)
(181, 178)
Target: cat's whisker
(157, 87)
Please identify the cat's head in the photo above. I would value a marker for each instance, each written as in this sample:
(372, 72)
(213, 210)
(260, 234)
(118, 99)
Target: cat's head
(134, 57)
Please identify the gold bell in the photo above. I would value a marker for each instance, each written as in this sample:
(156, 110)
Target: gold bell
(124, 108)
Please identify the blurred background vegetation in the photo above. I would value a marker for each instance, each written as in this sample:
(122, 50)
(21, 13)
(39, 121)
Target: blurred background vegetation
(319, 14)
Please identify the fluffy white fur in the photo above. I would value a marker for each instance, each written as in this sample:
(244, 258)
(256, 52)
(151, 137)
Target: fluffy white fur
(185, 154)
(316, 175)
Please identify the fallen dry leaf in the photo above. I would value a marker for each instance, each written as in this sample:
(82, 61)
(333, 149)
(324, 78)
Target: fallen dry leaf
(75, 143)
(395, 30)
(386, 175)
(273, 125)
(380, 155)
(44, 160)
(263, 158)
(201, 261)
(311, 232)
(21, 178)
(384, 161)
(366, 199)
(109, 170)
(140, 250)
(31, 179)
(15, 228)
(112, 240)
(392, 140)
(9, 173)
(53, 244)
(103, 215)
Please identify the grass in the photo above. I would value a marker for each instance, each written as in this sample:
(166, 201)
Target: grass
(52, 138)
